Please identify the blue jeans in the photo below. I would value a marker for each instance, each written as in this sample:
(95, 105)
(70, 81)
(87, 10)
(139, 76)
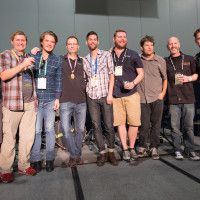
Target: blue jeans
(44, 111)
(98, 107)
(186, 111)
(73, 139)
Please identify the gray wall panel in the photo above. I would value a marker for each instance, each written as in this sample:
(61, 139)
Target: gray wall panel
(161, 18)
(159, 27)
(183, 23)
(57, 16)
(97, 23)
(18, 15)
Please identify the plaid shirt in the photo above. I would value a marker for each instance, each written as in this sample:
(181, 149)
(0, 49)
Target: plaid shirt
(53, 77)
(12, 96)
(105, 67)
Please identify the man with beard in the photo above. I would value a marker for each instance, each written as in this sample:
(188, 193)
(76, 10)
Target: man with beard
(100, 81)
(48, 79)
(126, 103)
(152, 90)
(73, 101)
(181, 72)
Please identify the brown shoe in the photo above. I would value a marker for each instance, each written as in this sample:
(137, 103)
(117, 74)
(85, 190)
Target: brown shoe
(101, 159)
(112, 159)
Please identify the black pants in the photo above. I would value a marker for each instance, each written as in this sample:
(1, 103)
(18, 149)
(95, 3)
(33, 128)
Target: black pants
(151, 116)
(98, 107)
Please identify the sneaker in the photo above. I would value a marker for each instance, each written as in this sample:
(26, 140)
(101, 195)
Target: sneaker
(72, 162)
(142, 152)
(7, 178)
(178, 155)
(133, 155)
(154, 153)
(79, 161)
(126, 155)
(193, 156)
(29, 171)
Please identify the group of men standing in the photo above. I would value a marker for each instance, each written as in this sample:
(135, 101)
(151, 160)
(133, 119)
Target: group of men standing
(119, 85)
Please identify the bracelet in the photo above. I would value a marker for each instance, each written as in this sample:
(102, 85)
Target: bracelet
(189, 78)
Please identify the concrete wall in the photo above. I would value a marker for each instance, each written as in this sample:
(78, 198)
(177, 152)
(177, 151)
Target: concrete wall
(160, 18)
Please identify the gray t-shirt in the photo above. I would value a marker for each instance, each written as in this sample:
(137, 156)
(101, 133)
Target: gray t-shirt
(27, 86)
(154, 73)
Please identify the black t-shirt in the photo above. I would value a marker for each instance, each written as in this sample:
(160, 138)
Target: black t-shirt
(180, 94)
(73, 89)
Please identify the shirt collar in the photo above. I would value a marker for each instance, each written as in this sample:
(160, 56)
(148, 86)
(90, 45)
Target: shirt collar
(78, 57)
(98, 53)
(19, 54)
(155, 57)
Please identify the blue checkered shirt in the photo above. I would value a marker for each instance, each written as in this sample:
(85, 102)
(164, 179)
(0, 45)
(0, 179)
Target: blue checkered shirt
(53, 77)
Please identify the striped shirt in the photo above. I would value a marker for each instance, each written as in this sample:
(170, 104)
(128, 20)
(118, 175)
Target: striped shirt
(105, 67)
(53, 77)
(12, 90)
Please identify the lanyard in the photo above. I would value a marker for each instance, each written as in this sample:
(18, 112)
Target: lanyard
(17, 57)
(95, 65)
(173, 63)
(45, 66)
(122, 58)
(71, 64)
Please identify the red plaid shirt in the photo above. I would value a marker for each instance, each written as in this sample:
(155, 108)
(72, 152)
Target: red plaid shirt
(12, 97)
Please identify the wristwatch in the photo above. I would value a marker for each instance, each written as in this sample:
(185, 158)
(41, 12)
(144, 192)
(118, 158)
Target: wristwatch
(134, 83)
(189, 78)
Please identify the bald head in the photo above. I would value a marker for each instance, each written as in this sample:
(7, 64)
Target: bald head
(173, 46)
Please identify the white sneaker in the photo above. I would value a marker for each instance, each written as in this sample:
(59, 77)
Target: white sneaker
(193, 156)
(178, 155)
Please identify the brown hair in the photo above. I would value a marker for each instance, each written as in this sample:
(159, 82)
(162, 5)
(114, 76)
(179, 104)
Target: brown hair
(147, 38)
(91, 33)
(196, 32)
(17, 32)
(72, 37)
(117, 31)
(48, 33)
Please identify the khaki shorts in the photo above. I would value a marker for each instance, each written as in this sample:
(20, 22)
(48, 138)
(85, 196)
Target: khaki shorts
(127, 110)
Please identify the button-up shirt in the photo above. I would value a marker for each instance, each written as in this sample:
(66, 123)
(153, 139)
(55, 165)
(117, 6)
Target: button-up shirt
(12, 89)
(154, 74)
(105, 67)
(53, 77)
(180, 94)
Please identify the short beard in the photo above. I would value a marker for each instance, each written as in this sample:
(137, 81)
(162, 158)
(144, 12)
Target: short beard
(92, 49)
(120, 47)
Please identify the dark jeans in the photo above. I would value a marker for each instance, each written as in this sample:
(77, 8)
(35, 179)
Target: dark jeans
(97, 107)
(151, 116)
(186, 111)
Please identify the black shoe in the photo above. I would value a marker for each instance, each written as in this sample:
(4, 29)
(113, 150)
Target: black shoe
(37, 166)
(49, 166)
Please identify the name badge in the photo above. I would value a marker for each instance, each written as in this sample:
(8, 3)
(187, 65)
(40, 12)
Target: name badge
(42, 83)
(94, 81)
(27, 81)
(118, 70)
